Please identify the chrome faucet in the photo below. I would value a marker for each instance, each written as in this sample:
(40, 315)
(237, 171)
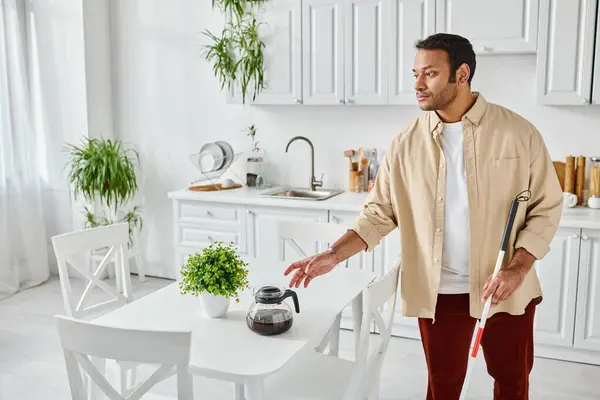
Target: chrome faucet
(314, 183)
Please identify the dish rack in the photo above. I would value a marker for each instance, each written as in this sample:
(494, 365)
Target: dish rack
(213, 176)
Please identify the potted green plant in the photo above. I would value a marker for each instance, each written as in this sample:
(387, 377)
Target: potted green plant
(103, 172)
(216, 274)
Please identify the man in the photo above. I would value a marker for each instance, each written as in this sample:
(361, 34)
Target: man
(447, 182)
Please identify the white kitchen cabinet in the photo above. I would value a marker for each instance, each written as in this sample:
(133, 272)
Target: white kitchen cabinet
(263, 242)
(365, 44)
(323, 51)
(596, 80)
(566, 51)
(282, 36)
(493, 27)
(281, 32)
(557, 272)
(409, 21)
(587, 326)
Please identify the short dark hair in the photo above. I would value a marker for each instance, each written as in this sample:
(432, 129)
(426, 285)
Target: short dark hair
(459, 51)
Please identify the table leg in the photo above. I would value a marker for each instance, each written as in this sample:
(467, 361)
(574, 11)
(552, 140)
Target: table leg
(255, 389)
(334, 344)
(357, 311)
(239, 391)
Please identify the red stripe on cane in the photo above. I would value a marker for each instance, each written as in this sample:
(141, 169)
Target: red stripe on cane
(477, 340)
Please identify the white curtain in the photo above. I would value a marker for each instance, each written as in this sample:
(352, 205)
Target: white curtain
(23, 247)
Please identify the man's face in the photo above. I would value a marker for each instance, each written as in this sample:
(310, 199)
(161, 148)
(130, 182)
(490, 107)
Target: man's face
(432, 80)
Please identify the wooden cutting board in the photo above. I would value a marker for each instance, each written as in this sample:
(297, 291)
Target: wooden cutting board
(212, 188)
(560, 166)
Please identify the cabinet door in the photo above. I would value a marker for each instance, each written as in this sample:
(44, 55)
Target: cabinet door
(557, 271)
(498, 27)
(587, 321)
(596, 81)
(365, 38)
(565, 51)
(322, 52)
(409, 21)
(282, 36)
(262, 234)
(387, 258)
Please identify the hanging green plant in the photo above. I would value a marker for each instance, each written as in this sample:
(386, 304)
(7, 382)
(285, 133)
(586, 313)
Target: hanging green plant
(237, 55)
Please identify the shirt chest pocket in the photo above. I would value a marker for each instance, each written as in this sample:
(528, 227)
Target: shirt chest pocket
(508, 177)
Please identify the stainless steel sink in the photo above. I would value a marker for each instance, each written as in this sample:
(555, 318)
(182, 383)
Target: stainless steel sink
(301, 194)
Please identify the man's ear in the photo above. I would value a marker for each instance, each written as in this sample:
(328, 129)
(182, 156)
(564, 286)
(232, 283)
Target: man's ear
(462, 74)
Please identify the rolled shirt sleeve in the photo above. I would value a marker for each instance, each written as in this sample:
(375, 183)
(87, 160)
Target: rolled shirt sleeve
(545, 206)
(377, 217)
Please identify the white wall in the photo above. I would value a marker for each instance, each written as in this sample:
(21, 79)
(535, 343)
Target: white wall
(168, 103)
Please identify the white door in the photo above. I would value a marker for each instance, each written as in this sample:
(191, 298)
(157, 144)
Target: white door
(386, 259)
(365, 38)
(363, 261)
(322, 52)
(409, 21)
(281, 33)
(565, 51)
(493, 27)
(262, 234)
(557, 271)
(587, 316)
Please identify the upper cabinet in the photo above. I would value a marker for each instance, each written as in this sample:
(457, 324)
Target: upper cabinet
(323, 51)
(565, 58)
(343, 48)
(361, 52)
(493, 27)
(409, 21)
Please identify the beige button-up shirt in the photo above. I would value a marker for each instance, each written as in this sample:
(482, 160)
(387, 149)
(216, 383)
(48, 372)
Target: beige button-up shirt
(504, 154)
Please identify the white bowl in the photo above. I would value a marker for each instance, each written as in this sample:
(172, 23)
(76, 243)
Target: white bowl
(211, 157)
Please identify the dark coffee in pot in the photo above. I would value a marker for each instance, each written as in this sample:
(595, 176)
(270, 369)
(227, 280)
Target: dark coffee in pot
(270, 322)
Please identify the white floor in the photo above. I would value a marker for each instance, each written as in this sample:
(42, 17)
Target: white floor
(31, 364)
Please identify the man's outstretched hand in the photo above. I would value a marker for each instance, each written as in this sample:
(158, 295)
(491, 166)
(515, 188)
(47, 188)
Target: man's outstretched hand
(308, 269)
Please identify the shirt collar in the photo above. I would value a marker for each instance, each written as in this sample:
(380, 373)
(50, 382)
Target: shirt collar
(474, 114)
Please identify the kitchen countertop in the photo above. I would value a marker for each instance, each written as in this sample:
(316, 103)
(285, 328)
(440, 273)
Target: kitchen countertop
(576, 217)
(346, 201)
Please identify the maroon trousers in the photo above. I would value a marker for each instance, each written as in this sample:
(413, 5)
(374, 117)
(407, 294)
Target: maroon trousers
(507, 345)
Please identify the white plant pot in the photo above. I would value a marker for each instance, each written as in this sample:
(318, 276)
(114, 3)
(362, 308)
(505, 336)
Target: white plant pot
(214, 306)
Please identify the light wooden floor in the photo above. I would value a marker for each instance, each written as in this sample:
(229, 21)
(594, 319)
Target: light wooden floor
(32, 368)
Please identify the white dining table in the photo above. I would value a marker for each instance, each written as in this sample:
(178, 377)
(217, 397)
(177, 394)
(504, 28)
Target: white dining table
(225, 348)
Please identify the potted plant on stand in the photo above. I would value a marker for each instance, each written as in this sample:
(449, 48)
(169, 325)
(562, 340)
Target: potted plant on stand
(103, 172)
(216, 274)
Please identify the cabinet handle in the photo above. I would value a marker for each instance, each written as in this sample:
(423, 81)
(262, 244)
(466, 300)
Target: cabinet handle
(297, 101)
(348, 101)
(209, 214)
(585, 237)
(340, 101)
(249, 212)
(487, 49)
(210, 239)
(575, 236)
(584, 101)
(334, 219)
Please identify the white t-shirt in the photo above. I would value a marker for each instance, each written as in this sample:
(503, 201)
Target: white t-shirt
(455, 253)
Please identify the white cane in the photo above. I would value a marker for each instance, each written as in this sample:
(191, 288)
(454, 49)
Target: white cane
(478, 334)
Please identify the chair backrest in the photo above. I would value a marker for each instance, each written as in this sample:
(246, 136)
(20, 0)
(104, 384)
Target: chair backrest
(379, 305)
(70, 247)
(81, 340)
(296, 232)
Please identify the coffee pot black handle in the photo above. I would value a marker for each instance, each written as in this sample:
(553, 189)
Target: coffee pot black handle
(294, 296)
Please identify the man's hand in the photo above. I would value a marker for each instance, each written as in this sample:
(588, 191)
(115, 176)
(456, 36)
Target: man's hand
(310, 268)
(510, 278)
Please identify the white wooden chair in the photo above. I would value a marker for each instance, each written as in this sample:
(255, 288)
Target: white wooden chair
(69, 247)
(81, 340)
(326, 234)
(316, 376)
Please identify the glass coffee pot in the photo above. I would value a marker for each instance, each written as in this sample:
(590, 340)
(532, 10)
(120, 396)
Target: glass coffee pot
(269, 314)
